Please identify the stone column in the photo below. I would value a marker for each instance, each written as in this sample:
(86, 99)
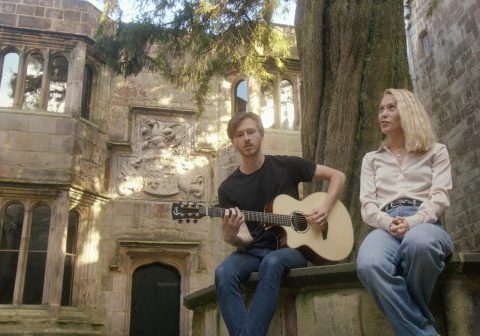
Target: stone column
(23, 255)
(20, 83)
(76, 70)
(52, 288)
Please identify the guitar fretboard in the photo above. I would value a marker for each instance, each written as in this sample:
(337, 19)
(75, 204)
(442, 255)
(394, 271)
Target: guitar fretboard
(264, 217)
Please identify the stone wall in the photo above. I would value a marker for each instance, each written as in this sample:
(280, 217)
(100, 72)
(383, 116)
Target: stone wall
(330, 301)
(445, 65)
(45, 148)
(70, 16)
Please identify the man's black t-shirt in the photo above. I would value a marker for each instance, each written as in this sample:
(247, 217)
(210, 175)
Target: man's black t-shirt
(278, 175)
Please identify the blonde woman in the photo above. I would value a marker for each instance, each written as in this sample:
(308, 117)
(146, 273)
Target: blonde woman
(404, 189)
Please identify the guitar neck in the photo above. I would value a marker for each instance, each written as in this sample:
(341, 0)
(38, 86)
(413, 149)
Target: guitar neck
(254, 216)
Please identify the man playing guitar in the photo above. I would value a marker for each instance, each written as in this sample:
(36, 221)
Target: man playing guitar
(258, 180)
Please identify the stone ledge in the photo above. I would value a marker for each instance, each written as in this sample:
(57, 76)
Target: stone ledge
(331, 276)
(35, 319)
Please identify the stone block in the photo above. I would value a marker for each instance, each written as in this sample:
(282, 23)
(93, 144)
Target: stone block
(123, 208)
(46, 3)
(33, 22)
(331, 314)
(14, 158)
(8, 173)
(12, 122)
(32, 2)
(25, 10)
(65, 126)
(8, 19)
(7, 8)
(55, 161)
(23, 141)
(61, 144)
(71, 16)
(39, 11)
(43, 175)
(54, 13)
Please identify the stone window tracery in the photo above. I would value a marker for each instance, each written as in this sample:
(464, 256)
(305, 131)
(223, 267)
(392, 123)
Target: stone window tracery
(87, 92)
(241, 96)
(23, 251)
(43, 79)
(277, 106)
(9, 62)
(24, 238)
(36, 254)
(287, 107)
(70, 257)
(10, 237)
(58, 85)
(32, 88)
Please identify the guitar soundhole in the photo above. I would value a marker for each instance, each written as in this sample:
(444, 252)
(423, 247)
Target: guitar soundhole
(299, 222)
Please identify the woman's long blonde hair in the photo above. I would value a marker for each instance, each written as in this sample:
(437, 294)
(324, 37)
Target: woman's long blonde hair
(416, 124)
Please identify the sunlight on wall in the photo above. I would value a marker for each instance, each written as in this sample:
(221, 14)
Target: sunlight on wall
(91, 253)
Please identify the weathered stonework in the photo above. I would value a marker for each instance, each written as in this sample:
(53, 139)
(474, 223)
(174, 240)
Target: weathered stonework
(145, 146)
(444, 38)
(76, 17)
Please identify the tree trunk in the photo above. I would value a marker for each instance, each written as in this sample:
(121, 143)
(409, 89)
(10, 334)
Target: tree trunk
(350, 52)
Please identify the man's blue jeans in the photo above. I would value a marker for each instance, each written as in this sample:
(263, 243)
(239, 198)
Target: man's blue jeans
(272, 265)
(400, 274)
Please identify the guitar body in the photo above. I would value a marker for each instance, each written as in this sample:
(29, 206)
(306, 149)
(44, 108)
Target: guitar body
(334, 243)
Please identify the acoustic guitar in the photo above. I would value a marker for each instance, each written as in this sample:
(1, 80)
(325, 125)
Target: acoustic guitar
(289, 221)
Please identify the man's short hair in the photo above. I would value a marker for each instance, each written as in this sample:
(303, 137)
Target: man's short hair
(238, 118)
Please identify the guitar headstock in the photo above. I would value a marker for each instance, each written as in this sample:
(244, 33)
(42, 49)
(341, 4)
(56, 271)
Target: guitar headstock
(188, 211)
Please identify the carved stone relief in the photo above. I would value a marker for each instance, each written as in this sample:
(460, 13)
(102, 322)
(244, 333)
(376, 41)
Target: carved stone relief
(163, 163)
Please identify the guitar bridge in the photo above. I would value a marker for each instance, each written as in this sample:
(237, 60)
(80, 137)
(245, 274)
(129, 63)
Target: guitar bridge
(325, 231)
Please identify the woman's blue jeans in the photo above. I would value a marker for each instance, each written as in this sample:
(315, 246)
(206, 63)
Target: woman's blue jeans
(272, 265)
(400, 274)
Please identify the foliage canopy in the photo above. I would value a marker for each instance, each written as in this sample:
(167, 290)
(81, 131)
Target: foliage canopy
(190, 41)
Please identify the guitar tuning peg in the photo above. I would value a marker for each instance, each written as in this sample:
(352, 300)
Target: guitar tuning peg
(195, 221)
(188, 221)
(179, 221)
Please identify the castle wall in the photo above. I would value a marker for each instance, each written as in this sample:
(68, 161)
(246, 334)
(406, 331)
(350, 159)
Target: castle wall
(67, 16)
(445, 65)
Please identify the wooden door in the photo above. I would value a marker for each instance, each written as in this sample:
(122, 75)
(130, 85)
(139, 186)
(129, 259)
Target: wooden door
(155, 307)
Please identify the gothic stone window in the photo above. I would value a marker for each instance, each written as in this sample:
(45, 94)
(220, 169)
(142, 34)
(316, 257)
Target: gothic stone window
(87, 92)
(70, 257)
(23, 252)
(43, 81)
(277, 106)
(24, 234)
(58, 84)
(241, 96)
(9, 61)
(33, 81)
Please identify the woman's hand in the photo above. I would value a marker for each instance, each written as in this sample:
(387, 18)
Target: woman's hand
(398, 227)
